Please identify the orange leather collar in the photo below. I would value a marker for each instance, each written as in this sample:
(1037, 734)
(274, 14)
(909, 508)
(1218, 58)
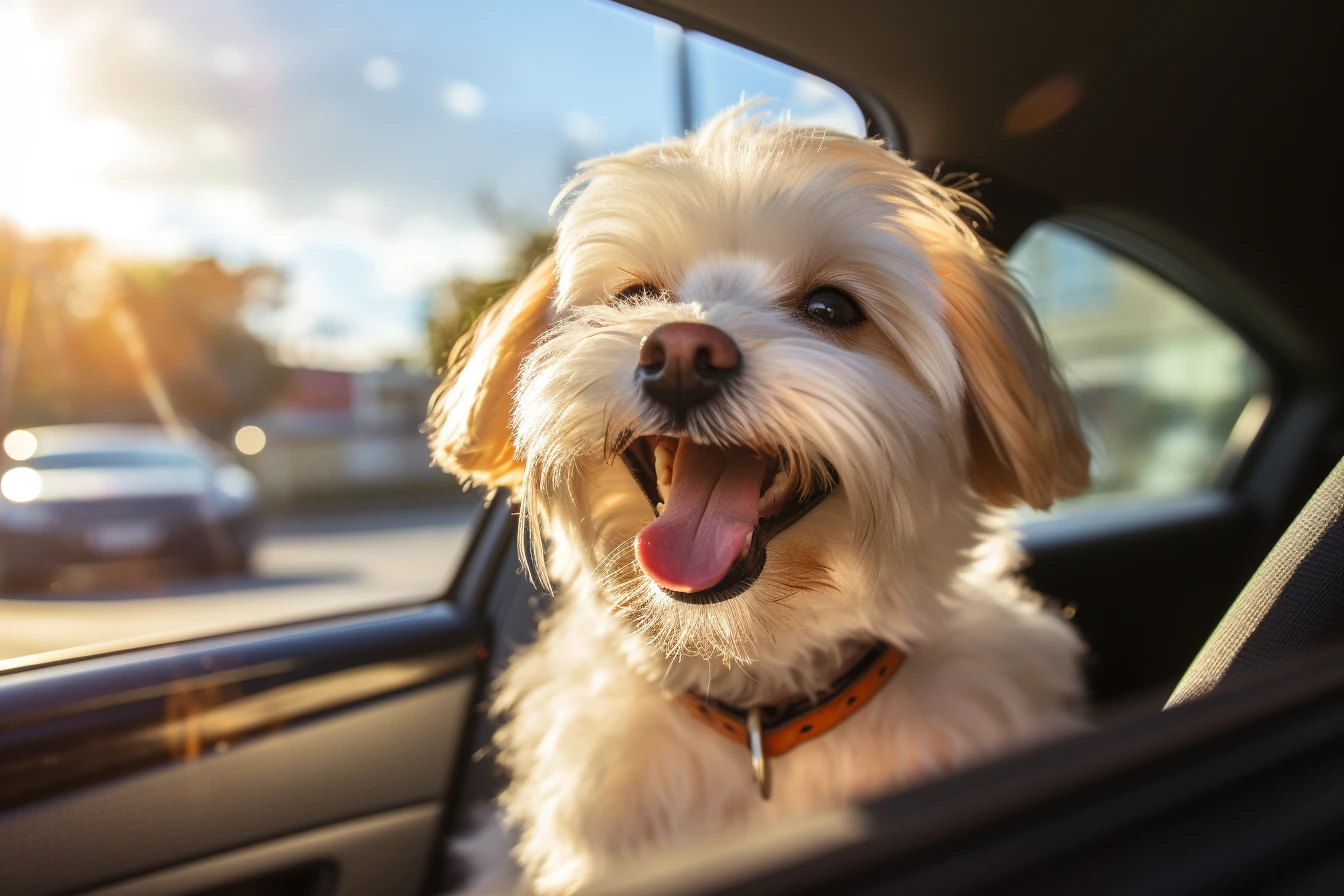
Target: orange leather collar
(788, 725)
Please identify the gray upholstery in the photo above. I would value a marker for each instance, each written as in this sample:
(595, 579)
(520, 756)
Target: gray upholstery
(1294, 603)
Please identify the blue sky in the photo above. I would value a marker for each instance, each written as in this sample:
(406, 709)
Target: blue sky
(349, 143)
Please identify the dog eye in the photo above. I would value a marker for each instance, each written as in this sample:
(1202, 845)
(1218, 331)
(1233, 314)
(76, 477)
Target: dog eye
(833, 308)
(636, 291)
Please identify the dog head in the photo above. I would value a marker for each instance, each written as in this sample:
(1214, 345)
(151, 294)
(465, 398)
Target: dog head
(762, 370)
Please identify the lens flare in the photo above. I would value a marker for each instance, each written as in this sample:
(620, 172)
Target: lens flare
(1043, 105)
(250, 439)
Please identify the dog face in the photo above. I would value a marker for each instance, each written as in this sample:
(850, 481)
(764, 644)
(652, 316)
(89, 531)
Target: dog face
(762, 369)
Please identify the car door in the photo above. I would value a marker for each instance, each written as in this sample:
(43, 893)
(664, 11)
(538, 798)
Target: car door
(310, 758)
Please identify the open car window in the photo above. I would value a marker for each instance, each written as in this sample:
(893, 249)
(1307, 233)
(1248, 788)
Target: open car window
(243, 237)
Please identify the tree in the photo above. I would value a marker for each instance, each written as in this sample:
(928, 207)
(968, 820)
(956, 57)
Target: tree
(89, 338)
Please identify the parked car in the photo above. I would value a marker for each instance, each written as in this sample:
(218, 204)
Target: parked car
(94, 493)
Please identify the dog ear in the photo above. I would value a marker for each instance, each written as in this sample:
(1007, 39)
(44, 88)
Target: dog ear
(470, 411)
(1023, 429)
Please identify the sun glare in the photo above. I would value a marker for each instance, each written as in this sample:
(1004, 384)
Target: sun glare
(32, 103)
(54, 177)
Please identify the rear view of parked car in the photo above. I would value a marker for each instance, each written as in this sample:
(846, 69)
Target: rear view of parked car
(95, 494)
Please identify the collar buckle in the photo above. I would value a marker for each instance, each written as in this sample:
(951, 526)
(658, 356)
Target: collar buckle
(760, 762)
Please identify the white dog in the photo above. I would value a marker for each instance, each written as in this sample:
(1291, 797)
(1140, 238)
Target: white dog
(760, 406)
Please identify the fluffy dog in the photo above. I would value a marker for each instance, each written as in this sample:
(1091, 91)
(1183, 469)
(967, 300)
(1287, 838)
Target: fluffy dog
(761, 407)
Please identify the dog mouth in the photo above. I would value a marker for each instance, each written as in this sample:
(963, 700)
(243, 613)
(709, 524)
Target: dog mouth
(716, 508)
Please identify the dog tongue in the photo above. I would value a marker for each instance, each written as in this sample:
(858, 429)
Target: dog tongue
(710, 511)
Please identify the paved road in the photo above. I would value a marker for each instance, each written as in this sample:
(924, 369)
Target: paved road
(306, 568)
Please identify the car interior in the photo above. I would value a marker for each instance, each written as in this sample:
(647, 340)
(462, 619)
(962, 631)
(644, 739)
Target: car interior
(1174, 154)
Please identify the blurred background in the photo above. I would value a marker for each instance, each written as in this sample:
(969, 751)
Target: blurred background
(238, 239)
(236, 243)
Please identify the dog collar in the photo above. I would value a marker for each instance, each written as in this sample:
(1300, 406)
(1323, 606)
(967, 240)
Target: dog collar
(775, 730)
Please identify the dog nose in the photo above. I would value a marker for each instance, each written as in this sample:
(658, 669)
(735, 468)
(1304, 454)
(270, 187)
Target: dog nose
(682, 365)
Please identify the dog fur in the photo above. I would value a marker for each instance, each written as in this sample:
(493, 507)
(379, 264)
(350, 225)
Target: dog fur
(939, 411)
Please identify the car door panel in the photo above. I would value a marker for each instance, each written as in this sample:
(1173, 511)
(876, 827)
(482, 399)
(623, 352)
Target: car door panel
(123, 765)
(380, 853)
(1127, 577)
(1148, 583)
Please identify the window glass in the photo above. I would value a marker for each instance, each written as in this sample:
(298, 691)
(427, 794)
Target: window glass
(716, 68)
(243, 235)
(1167, 394)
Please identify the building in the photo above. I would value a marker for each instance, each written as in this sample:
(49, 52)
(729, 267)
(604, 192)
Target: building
(333, 433)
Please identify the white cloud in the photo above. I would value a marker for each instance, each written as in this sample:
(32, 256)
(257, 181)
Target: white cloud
(238, 222)
(215, 141)
(89, 24)
(382, 73)
(425, 248)
(147, 35)
(463, 99)
(582, 128)
(334, 264)
(230, 62)
(358, 207)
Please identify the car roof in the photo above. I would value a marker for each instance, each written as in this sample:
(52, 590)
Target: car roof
(81, 437)
(1204, 122)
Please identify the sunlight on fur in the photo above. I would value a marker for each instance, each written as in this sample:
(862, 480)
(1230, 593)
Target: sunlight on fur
(747, 528)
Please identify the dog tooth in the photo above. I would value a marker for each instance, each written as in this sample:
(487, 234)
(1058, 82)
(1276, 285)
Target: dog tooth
(664, 451)
(774, 496)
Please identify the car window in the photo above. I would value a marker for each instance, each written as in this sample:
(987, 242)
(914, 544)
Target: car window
(1167, 394)
(259, 227)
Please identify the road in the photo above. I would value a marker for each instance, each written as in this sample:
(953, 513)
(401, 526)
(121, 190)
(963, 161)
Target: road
(305, 568)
